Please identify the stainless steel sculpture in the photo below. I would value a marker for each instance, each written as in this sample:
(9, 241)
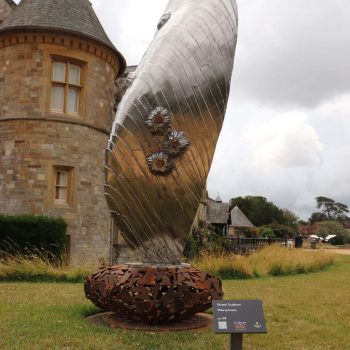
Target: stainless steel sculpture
(167, 126)
(158, 158)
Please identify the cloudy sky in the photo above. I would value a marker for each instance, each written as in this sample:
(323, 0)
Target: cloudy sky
(286, 134)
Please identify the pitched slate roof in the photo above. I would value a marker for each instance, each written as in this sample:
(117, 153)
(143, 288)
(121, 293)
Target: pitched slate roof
(218, 199)
(238, 219)
(11, 3)
(217, 212)
(70, 16)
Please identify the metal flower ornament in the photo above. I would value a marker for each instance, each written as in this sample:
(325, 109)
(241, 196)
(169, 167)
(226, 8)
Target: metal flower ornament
(158, 120)
(176, 143)
(160, 163)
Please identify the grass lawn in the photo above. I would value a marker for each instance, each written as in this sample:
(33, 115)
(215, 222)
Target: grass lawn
(310, 311)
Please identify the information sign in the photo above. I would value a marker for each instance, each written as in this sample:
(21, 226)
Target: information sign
(239, 316)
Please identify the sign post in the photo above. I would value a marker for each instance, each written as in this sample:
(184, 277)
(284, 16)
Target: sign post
(236, 341)
(237, 317)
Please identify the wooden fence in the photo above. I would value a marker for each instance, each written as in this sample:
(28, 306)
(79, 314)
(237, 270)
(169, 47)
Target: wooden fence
(247, 245)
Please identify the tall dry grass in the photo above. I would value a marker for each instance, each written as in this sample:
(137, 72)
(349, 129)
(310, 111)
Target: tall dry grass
(269, 261)
(37, 265)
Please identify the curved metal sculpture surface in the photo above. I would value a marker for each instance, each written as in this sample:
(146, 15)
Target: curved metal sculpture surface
(167, 126)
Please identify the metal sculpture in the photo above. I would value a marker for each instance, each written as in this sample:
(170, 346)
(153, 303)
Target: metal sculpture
(158, 158)
(153, 294)
(167, 125)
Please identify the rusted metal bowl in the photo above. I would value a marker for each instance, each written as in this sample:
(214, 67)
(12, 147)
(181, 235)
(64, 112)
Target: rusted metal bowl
(153, 294)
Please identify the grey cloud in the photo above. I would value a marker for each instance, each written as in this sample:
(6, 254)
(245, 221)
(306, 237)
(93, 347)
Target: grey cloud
(292, 56)
(293, 52)
(130, 24)
(290, 158)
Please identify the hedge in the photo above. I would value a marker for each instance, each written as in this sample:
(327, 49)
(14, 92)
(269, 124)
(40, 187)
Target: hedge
(22, 233)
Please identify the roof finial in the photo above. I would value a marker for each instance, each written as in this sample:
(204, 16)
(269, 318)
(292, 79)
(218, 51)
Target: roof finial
(218, 199)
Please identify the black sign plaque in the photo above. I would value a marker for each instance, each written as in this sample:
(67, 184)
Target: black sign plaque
(239, 316)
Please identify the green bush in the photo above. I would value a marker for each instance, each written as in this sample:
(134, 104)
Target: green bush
(231, 273)
(334, 228)
(203, 238)
(22, 233)
(191, 248)
(268, 232)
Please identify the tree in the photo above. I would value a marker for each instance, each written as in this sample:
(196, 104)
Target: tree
(302, 222)
(317, 217)
(334, 228)
(282, 230)
(290, 218)
(268, 232)
(258, 210)
(332, 210)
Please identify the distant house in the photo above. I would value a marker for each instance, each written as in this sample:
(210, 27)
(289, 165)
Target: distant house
(346, 225)
(307, 230)
(217, 214)
(238, 221)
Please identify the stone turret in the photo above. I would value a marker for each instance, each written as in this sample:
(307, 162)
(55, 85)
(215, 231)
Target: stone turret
(57, 88)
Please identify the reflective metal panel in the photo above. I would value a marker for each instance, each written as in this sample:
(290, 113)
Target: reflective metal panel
(167, 126)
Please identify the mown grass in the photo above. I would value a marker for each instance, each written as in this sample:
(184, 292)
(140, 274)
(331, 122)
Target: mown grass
(270, 261)
(308, 311)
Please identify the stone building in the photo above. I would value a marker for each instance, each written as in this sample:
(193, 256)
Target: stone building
(238, 222)
(214, 212)
(57, 88)
(217, 215)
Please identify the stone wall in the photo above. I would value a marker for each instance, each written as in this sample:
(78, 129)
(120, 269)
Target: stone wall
(201, 214)
(34, 141)
(25, 79)
(29, 152)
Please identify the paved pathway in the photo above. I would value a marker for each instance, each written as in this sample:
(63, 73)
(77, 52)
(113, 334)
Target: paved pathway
(339, 251)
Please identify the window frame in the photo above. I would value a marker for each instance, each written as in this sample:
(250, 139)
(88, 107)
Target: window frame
(67, 85)
(68, 201)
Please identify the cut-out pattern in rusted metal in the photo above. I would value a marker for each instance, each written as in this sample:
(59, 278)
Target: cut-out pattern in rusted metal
(153, 294)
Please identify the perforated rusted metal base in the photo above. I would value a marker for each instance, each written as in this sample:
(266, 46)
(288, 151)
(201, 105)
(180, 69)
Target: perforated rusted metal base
(110, 319)
(153, 294)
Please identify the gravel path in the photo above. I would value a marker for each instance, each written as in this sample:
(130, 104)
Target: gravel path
(339, 251)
